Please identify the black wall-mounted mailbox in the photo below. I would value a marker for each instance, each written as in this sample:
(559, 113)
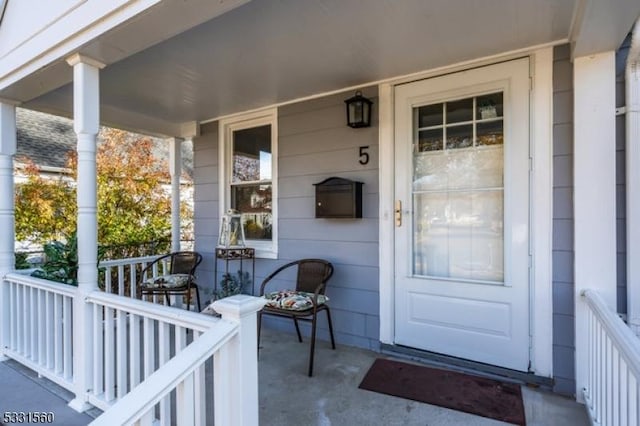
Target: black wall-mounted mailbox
(338, 198)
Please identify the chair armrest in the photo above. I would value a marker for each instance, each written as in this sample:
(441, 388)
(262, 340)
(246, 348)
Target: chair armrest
(149, 267)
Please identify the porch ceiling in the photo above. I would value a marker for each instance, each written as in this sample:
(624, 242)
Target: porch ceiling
(271, 51)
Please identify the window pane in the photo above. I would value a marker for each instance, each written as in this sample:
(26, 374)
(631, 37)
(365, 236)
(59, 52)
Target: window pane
(489, 106)
(254, 202)
(459, 235)
(490, 133)
(252, 154)
(458, 192)
(430, 115)
(460, 136)
(461, 110)
(430, 140)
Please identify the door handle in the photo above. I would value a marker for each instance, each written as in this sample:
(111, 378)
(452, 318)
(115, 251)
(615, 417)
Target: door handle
(398, 213)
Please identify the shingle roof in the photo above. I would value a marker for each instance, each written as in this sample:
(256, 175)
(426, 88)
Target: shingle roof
(45, 139)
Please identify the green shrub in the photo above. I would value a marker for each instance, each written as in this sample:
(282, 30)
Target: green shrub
(61, 261)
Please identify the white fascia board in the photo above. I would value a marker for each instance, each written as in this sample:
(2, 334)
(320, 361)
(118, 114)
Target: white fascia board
(601, 26)
(107, 31)
(79, 26)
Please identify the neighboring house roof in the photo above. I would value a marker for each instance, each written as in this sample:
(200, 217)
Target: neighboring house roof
(48, 139)
(45, 139)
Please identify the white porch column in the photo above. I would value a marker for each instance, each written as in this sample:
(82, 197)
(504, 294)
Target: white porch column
(86, 122)
(238, 391)
(175, 169)
(632, 151)
(594, 192)
(7, 221)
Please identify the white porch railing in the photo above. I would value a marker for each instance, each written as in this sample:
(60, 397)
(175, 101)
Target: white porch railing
(125, 273)
(131, 339)
(133, 342)
(613, 385)
(37, 324)
(184, 374)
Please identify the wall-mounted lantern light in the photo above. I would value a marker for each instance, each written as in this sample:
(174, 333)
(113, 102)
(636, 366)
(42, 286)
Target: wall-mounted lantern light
(358, 111)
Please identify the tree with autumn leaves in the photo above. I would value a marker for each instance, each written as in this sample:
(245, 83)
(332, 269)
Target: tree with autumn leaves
(133, 207)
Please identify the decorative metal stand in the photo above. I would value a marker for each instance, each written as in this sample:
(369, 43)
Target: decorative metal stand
(241, 254)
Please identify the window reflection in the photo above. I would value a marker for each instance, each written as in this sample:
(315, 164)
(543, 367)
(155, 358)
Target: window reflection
(458, 189)
(251, 187)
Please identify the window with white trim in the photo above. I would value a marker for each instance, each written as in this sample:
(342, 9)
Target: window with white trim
(248, 176)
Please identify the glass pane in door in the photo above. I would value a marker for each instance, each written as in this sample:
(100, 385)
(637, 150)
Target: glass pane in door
(458, 193)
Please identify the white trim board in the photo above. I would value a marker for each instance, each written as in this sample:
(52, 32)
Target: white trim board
(225, 129)
(541, 216)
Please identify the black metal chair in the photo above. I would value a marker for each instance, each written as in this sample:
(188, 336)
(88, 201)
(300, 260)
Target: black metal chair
(304, 302)
(178, 279)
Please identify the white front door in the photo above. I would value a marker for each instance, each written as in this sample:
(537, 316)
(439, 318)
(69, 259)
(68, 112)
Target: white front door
(462, 214)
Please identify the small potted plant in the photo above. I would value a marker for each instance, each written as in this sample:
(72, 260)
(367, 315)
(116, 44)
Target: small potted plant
(233, 284)
(487, 108)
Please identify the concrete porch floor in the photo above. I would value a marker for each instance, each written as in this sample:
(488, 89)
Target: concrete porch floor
(289, 397)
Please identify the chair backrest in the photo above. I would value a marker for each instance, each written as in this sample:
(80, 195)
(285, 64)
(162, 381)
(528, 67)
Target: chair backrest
(184, 262)
(312, 273)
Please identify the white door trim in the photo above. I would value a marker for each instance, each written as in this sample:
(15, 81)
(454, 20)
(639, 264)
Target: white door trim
(541, 215)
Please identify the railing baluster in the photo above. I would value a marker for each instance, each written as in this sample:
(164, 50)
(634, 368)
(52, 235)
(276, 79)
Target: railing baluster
(133, 283)
(121, 351)
(615, 388)
(200, 392)
(98, 350)
(42, 328)
(67, 338)
(107, 280)
(185, 402)
(109, 354)
(134, 345)
(149, 339)
(50, 330)
(608, 382)
(184, 391)
(13, 316)
(622, 389)
(164, 353)
(221, 383)
(33, 315)
(121, 280)
(57, 313)
(149, 346)
(634, 401)
(592, 354)
(20, 321)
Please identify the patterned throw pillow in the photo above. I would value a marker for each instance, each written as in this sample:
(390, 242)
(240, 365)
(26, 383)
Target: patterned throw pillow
(293, 300)
(168, 281)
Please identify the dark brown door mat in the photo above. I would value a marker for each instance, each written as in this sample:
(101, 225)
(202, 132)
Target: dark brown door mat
(458, 391)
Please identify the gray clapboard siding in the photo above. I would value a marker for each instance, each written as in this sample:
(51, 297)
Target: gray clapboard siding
(302, 185)
(206, 203)
(563, 281)
(314, 143)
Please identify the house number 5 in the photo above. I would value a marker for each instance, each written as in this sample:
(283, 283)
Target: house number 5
(364, 155)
